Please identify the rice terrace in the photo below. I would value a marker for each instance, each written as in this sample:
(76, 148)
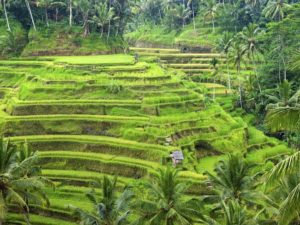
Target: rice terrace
(150, 112)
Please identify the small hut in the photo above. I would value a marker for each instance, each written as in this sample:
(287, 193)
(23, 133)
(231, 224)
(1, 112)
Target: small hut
(177, 157)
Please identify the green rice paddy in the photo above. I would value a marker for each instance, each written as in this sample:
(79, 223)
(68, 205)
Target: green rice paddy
(89, 116)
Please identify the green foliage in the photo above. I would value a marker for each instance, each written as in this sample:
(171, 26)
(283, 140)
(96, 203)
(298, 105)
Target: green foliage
(12, 43)
(57, 39)
(20, 181)
(166, 201)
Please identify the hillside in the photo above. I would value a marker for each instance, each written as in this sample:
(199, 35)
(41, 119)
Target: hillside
(150, 112)
(109, 115)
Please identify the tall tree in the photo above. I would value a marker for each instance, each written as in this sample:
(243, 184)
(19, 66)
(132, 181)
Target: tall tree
(30, 14)
(70, 13)
(233, 179)
(211, 9)
(232, 213)
(251, 47)
(166, 203)
(109, 209)
(3, 3)
(84, 8)
(275, 9)
(236, 56)
(224, 45)
(20, 182)
(290, 207)
(46, 4)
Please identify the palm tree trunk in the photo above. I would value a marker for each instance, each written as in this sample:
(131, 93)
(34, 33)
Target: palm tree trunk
(228, 74)
(213, 23)
(214, 93)
(194, 22)
(102, 30)
(71, 13)
(6, 16)
(279, 73)
(30, 13)
(284, 68)
(46, 16)
(108, 32)
(256, 75)
(56, 14)
(240, 90)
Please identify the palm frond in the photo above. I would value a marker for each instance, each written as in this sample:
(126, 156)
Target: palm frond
(290, 207)
(284, 168)
(283, 118)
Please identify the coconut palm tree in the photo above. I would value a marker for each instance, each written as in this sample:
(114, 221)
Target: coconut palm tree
(27, 3)
(284, 114)
(211, 9)
(232, 213)
(3, 3)
(84, 7)
(290, 207)
(109, 209)
(253, 3)
(251, 47)
(46, 4)
(224, 45)
(70, 12)
(57, 5)
(104, 16)
(233, 180)
(236, 56)
(275, 9)
(166, 203)
(20, 182)
(296, 60)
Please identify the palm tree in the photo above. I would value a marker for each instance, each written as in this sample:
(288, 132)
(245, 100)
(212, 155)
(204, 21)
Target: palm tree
(182, 13)
(224, 45)
(296, 60)
(84, 7)
(104, 16)
(232, 213)
(30, 14)
(251, 46)
(109, 209)
(46, 5)
(211, 8)
(253, 3)
(20, 182)
(166, 203)
(56, 5)
(70, 12)
(275, 9)
(236, 56)
(290, 207)
(214, 62)
(233, 180)
(284, 114)
(3, 3)
(287, 118)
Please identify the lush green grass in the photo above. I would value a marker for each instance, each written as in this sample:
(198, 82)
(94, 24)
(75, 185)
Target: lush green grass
(95, 60)
(59, 39)
(188, 36)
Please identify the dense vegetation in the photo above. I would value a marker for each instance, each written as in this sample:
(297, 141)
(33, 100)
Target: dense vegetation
(88, 123)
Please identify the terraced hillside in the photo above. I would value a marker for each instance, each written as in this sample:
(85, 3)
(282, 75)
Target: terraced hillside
(95, 115)
(211, 69)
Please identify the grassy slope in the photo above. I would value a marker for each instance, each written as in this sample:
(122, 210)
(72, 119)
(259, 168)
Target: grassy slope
(161, 36)
(16, 41)
(59, 39)
(131, 141)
